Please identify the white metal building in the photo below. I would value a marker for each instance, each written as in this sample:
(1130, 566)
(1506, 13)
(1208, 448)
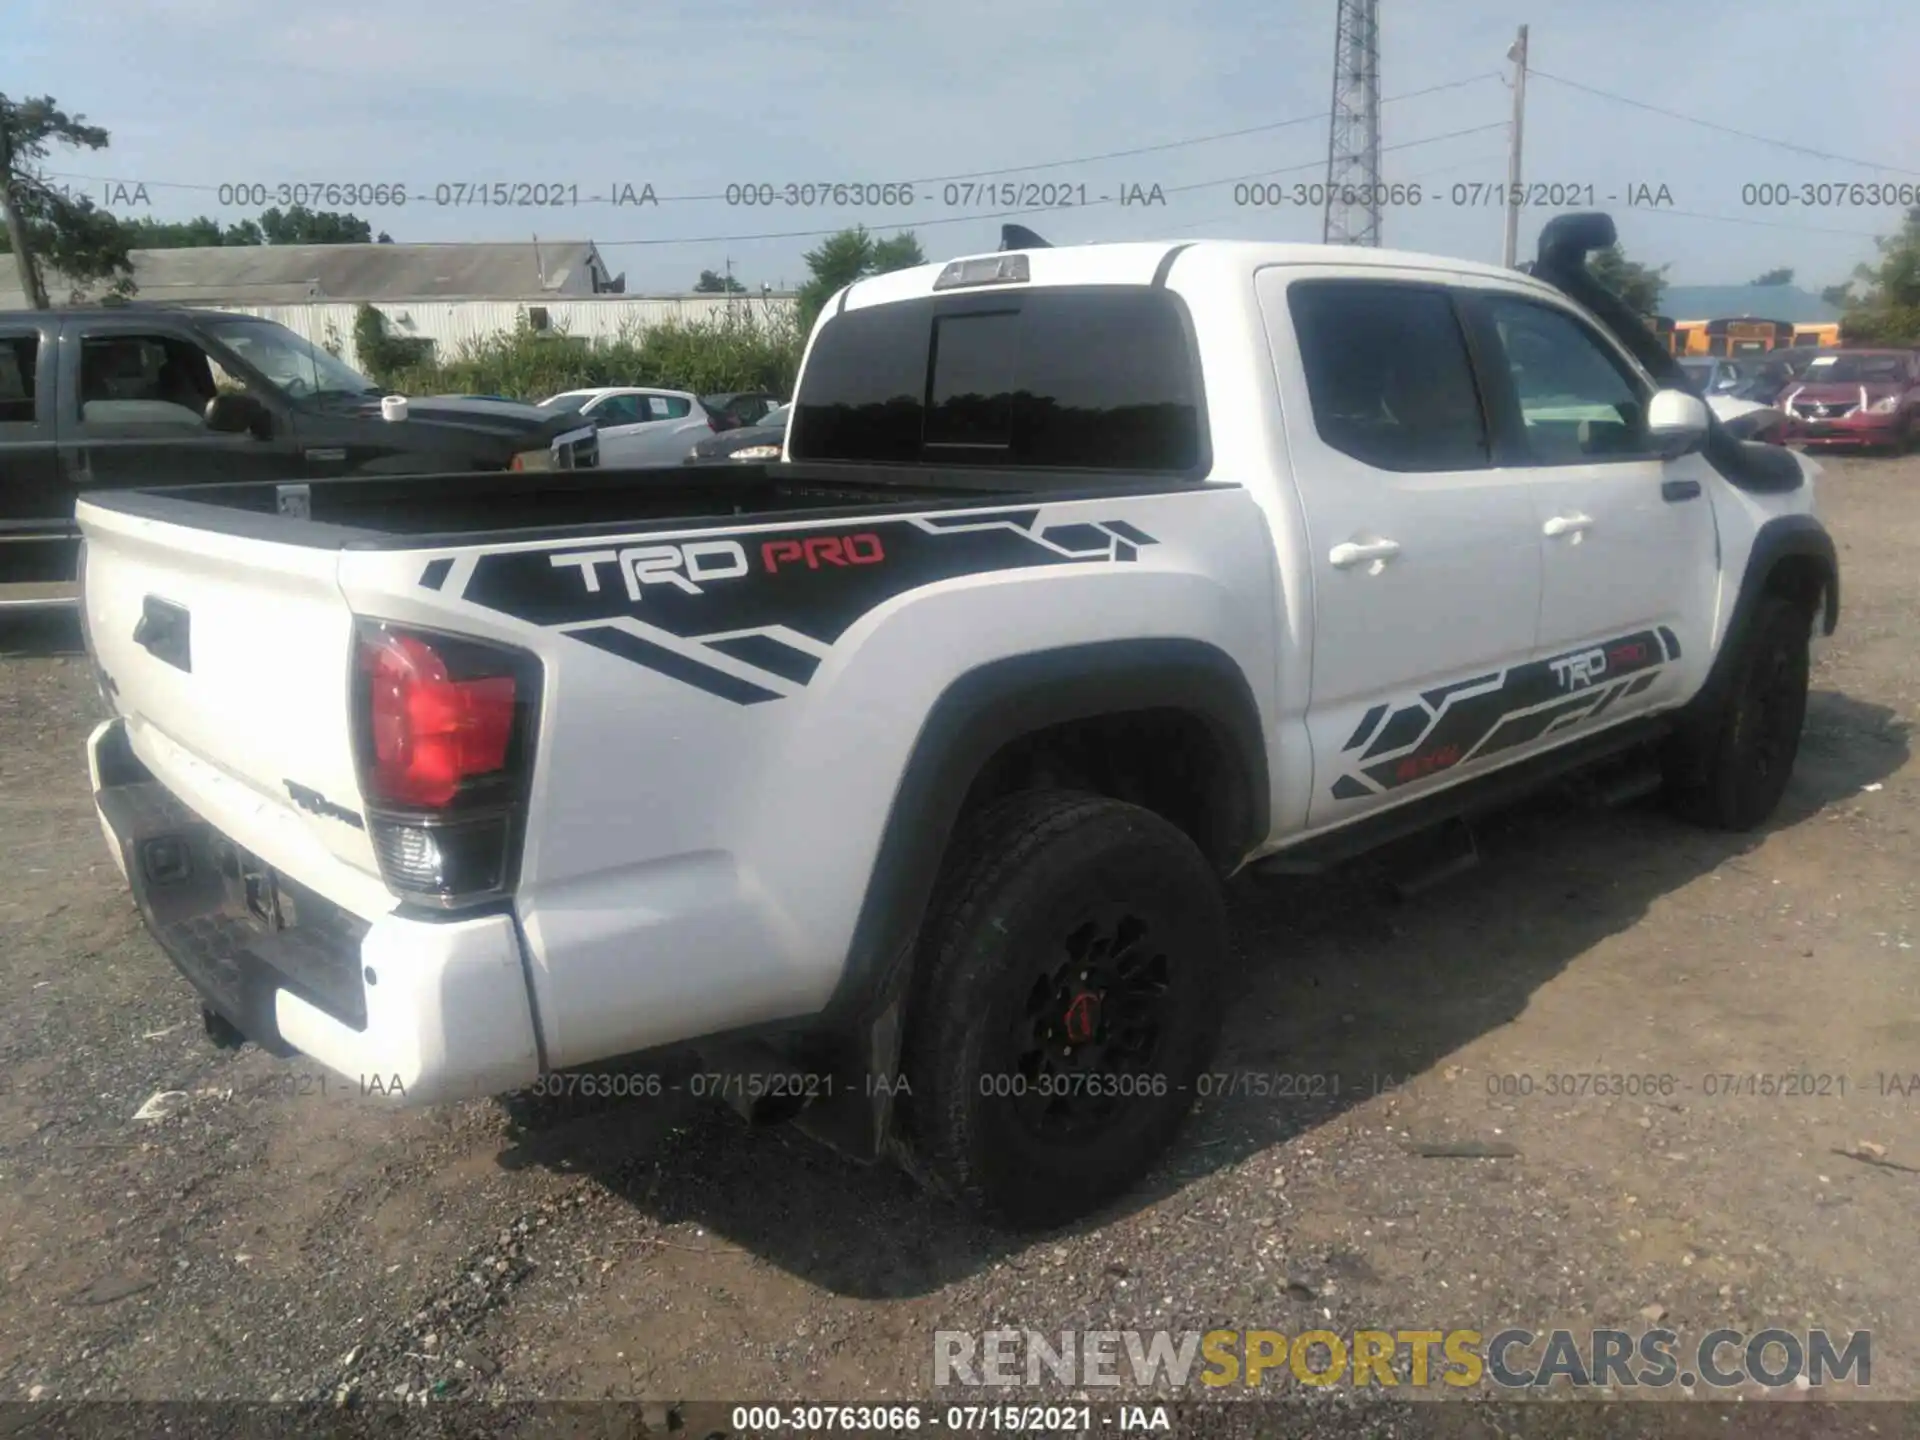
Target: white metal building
(450, 323)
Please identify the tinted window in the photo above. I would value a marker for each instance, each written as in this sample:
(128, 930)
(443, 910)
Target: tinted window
(144, 380)
(1858, 370)
(670, 407)
(1388, 374)
(19, 355)
(621, 410)
(1576, 401)
(971, 399)
(1056, 379)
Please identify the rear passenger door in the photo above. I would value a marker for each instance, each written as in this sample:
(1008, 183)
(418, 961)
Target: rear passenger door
(36, 506)
(1425, 556)
(1629, 570)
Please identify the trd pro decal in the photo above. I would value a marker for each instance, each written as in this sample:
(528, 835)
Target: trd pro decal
(774, 601)
(1471, 719)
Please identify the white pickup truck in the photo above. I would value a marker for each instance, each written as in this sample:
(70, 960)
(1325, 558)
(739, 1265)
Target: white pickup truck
(897, 778)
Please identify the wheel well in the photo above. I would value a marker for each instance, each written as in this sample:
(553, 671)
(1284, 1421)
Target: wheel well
(1170, 761)
(1802, 579)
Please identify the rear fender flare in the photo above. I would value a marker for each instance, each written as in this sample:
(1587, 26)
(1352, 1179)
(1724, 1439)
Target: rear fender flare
(979, 713)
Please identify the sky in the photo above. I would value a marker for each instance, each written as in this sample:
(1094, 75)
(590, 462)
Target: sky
(595, 102)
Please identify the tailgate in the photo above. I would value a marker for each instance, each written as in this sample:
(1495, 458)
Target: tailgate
(230, 657)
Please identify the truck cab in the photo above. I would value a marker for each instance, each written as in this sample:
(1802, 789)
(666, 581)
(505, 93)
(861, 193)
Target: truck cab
(103, 399)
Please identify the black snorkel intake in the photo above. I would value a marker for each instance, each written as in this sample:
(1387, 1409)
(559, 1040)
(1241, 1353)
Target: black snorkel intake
(1565, 243)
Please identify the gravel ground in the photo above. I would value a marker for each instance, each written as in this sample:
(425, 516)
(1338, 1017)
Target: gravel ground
(269, 1238)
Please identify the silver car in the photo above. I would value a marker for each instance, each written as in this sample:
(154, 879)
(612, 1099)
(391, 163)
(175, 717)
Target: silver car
(639, 426)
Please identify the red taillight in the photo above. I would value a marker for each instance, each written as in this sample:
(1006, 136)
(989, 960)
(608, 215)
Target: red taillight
(430, 733)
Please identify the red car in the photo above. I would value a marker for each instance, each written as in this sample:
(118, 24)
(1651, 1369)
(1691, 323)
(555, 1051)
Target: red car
(1868, 398)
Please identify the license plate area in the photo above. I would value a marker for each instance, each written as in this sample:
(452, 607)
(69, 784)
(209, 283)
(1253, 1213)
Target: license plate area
(253, 887)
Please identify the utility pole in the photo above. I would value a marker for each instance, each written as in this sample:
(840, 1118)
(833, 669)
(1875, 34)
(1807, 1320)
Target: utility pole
(1353, 131)
(1518, 55)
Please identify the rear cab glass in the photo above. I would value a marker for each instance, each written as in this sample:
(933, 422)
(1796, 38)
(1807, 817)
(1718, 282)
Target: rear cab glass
(1068, 378)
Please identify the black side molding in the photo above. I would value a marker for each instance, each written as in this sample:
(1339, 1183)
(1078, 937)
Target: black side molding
(1785, 537)
(1673, 491)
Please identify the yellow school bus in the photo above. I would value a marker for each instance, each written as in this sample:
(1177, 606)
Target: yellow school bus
(1828, 334)
(1746, 336)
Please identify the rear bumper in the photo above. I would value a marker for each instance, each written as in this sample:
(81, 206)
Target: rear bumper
(418, 1010)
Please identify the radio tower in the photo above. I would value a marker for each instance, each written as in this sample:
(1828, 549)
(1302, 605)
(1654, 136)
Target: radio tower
(1353, 138)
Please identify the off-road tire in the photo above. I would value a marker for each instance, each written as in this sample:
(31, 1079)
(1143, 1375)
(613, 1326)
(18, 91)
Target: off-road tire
(1029, 879)
(1730, 771)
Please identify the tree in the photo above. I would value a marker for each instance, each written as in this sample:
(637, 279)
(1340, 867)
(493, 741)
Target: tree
(298, 225)
(1782, 276)
(1838, 296)
(145, 234)
(713, 283)
(383, 355)
(1641, 286)
(848, 256)
(1887, 311)
(47, 226)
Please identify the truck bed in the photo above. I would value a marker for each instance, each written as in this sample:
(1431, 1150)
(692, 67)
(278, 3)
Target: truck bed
(385, 512)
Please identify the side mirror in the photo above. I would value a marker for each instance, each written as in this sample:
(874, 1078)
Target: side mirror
(1677, 422)
(231, 413)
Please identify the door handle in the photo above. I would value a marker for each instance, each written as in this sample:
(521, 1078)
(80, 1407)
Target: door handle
(1350, 553)
(1674, 491)
(1567, 525)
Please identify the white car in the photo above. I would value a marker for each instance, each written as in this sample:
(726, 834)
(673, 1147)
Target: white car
(639, 426)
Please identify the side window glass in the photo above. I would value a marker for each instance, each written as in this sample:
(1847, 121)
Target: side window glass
(19, 359)
(1576, 402)
(1389, 375)
(146, 380)
(620, 410)
(670, 407)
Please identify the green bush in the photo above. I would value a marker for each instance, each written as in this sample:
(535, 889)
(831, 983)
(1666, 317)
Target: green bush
(741, 350)
(381, 355)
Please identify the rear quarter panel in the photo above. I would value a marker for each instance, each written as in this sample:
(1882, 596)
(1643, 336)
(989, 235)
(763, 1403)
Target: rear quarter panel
(715, 767)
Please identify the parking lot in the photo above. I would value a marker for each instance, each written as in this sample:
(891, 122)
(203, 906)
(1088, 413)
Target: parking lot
(1458, 1156)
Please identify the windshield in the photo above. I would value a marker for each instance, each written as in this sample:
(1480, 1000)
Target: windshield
(295, 366)
(565, 404)
(1857, 370)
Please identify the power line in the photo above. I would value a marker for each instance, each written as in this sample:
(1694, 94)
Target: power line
(912, 224)
(1247, 211)
(1317, 116)
(1723, 129)
(1743, 220)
